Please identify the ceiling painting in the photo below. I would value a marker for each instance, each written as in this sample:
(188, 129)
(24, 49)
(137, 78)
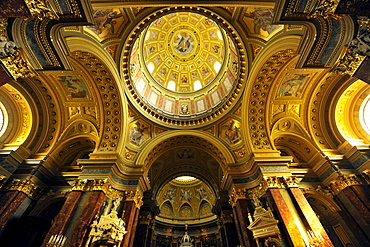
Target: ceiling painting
(230, 131)
(259, 22)
(107, 22)
(75, 87)
(292, 84)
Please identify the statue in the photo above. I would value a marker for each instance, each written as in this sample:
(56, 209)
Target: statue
(116, 203)
(7, 48)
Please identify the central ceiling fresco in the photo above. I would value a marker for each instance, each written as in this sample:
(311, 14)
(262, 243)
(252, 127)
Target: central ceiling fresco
(182, 67)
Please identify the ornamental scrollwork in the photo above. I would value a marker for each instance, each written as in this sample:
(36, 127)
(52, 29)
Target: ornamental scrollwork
(325, 8)
(41, 9)
(16, 65)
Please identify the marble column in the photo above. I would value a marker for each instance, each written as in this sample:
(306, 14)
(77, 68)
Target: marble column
(63, 216)
(300, 222)
(9, 203)
(240, 211)
(352, 193)
(91, 209)
(144, 231)
(230, 233)
(131, 217)
(310, 216)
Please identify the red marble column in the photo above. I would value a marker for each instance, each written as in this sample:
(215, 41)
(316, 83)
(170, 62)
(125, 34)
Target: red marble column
(9, 203)
(91, 209)
(287, 218)
(63, 216)
(131, 218)
(310, 216)
(241, 212)
(359, 200)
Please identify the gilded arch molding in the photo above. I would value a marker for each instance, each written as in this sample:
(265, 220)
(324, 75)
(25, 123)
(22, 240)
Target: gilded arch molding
(112, 131)
(256, 109)
(201, 140)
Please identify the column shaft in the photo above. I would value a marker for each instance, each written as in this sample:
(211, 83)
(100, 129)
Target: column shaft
(131, 218)
(63, 216)
(9, 204)
(91, 209)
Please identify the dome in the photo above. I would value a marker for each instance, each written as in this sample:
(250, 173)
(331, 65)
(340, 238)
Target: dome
(183, 66)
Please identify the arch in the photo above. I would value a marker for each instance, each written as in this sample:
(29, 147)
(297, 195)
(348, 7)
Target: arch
(208, 142)
(205, 209)
(18, 117)
(113, 131)
(166, 209)
(185, 211)
(264, 70)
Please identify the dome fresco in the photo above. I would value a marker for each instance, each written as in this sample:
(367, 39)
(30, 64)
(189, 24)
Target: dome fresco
(183, 65)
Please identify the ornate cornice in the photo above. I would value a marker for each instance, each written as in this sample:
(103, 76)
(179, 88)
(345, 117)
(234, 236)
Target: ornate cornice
(24, 185)
(345, 181)
(349, 63)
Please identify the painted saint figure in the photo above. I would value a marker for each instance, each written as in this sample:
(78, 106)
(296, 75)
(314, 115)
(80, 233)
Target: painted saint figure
(137, 134)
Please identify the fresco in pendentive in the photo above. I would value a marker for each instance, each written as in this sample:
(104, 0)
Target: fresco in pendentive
(74, 86)
(107, 22)
(138, 133)
(292, 85)
(259, 21)
(230, 131)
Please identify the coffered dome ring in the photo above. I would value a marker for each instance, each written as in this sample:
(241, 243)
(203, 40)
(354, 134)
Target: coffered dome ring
(184, 67)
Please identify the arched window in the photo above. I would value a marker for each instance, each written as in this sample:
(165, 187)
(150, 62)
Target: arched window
(3, 119)
(365, 114)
